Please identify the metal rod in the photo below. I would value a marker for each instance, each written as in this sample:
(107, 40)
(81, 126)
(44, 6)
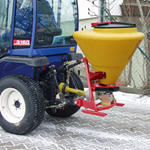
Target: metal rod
(144, 53)
(57, 83)
(99, 11)
(102, 11)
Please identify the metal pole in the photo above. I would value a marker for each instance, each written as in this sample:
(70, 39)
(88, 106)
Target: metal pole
(144, 53)
(99, 10)
(102, 10)
(59, 13)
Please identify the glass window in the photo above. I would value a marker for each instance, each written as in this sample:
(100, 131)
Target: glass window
(6, 8)
(23, 24)
(57, 20)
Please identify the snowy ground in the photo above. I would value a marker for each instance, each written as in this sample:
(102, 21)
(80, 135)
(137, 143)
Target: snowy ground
(124, 128)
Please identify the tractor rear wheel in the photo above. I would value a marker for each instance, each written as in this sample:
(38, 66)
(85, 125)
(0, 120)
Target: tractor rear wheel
(22, 104)
(68, 110)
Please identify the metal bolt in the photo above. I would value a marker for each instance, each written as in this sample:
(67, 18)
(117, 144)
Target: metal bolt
(75, 102)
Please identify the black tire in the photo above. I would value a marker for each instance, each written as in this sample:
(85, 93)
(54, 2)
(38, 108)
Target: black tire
(30, 104)
(68, 110)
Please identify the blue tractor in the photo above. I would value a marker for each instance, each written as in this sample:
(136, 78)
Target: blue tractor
(36, 43)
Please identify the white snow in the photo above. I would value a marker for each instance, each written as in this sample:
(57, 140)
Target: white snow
(134, 100)
(126, 127)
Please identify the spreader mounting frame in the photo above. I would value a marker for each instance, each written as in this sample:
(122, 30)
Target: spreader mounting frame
(93, 85)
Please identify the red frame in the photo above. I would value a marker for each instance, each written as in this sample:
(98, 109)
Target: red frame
(92, 86)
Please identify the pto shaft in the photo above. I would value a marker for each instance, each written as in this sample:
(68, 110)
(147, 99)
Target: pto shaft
(65, 88)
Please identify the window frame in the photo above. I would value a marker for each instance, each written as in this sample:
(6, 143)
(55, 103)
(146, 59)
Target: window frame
(54, 46)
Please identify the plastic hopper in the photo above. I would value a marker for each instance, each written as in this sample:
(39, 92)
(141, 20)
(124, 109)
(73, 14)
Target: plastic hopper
(109, 47)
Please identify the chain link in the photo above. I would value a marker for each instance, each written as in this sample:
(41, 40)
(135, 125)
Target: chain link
(57, 106)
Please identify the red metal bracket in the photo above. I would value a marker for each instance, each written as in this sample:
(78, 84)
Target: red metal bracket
(96, 23)
(95, 108)
(97, 75)
(94, 113)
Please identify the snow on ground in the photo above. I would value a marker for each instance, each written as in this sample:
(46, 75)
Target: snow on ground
(124, 128)
(134, 100)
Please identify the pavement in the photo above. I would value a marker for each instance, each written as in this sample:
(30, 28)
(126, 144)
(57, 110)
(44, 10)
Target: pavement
(124, 128)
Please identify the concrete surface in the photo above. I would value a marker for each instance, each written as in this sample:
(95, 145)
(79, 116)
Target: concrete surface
(124, 128)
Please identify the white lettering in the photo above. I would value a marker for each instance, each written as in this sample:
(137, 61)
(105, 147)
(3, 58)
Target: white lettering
(22, 42)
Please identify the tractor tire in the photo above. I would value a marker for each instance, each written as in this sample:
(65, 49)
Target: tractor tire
(22, 104)
(68, 110)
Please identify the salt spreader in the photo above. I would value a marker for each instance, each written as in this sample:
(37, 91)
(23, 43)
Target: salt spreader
(108, 48)
(37, 40)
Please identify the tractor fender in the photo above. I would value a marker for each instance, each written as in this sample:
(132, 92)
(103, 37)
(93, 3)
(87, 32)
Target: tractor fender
(34, 61)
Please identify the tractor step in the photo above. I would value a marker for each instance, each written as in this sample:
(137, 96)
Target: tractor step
(94, 113)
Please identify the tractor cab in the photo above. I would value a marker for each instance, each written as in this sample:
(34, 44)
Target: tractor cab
(38, 28)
